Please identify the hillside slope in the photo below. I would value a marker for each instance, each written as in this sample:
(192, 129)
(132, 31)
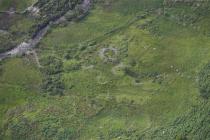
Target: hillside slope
(120, 69)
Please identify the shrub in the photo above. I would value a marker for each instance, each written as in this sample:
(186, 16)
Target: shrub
(72, 65)
(52, 83)
(204, 81)
(52, 65)
(131, 73)
(6, 41)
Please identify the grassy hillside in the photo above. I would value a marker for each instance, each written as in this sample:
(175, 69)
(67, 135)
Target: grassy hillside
(18, 5)
(131, 69)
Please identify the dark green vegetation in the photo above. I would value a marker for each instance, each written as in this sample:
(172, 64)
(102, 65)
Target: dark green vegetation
(204, 81)
(52, 68)
(19, 5)
(6, 42)
(14, 28)
(22, 23)
(130, 70)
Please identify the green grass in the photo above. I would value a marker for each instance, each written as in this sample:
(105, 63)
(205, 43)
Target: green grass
(18, 81)
(176, 55)
(18, 29)
(22, 25)
(158, 61)
(96, 24)
(18, 5)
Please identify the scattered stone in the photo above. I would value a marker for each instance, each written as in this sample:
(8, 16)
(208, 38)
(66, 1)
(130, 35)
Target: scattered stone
(3, 32)
(103, 51)
(33, 10)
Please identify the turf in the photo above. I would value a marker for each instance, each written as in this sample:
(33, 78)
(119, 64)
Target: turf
(18, 5)
(19, 81)
(127, 74)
